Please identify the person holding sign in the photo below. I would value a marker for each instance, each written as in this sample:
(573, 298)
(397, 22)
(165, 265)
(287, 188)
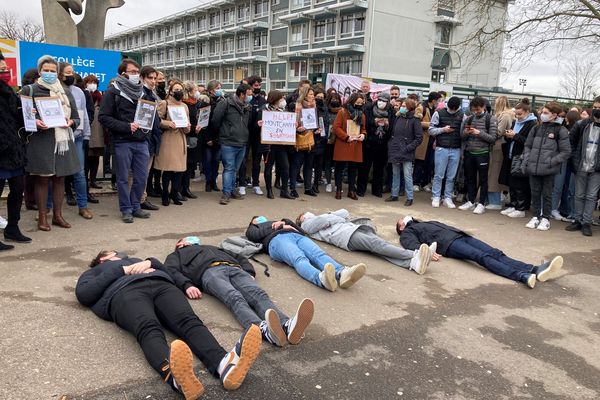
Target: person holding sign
(195, 102)
(12, 156)
(350, 131)
(51, 152)
(172, 156)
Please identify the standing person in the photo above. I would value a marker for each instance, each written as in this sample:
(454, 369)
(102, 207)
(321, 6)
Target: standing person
(194, 102)
(279, 154)
(211, 155)
(286, 242)
(547, 146)
(561, 182)
(12, 156)
(375, 146)
(292, 98)
(172, 156)
(89, 103)
(96, 145)
(518, 182)
(505, 117)
(304, 155)
(230, 118)
(365, 89)
(321, 140)
(334, 105)
(117, 115)
(445, 128)
(407, 135)
(142, 297)
(30, 77)
(567, 201)
(51, 152)
(585, 163)
(479, 133)
(161, 85)
(424, 164)
(259, 150)
(347, 152)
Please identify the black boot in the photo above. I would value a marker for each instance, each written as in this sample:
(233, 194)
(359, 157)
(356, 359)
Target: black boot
(270, 193)
(187, 193)
(13, 233)
(208, 187)
(214, 186)
(6, 246)
(286, 195)
(165, 199)
(176, 198)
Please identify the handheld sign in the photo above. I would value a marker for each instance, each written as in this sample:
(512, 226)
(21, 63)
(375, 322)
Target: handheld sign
(352, 129)
(203, 117)
(278, 128)
(51, 111)
(28, 116)
(179, 116)
(145, 113)
(309, 118)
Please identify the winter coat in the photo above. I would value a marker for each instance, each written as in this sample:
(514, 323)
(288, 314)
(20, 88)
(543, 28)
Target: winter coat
(373, 140)
(211, 132)
(97, 137)
(416, 233)
(194, 155)
(12, 145)
(321, 139)
(547, 147)
(505, 121)
(344, 150)
(485, 140)
(257, 104)
(155, 135)
(231, 119)
(117, 114)
(173, 144)
(518, 145)
(193, 261)
(424, 114)
(264, 233)
(407, 135)
(578, 136)
(333, 228)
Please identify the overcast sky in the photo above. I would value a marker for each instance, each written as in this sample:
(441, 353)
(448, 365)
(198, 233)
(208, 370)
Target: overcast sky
(542, 76)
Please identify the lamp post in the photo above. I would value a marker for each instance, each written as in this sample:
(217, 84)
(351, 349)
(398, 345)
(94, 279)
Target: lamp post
(522, 83)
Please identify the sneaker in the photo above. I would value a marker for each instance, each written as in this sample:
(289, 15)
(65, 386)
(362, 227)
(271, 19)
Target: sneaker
(427, 188)
(504, 198)
(544, 225)
(237, 195)
(350, 275)
(181, 364)
(257, 191)
(296, 326)
(242, 190)
(586, 230)
(480, 209)
(531, 279)
(533, 223)
(468, 206)
(556, 215)
(574, 227)
(328, 188)
(507, 211)
(127, 218)
(435, 203)
(432, 250)
(139, 213)
(237, 362)
(416, 188)
(493, 207)
(549, 269)
(449, 203)
(224, 200)
(517, 214)
(3, 223)
(271, 329)
(420, 260)
(327, 278)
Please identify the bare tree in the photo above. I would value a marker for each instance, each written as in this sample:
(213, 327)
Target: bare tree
(15, 28)
(532, 27)
(580, 79)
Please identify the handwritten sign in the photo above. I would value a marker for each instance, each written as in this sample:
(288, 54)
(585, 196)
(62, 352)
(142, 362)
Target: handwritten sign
(278, 128)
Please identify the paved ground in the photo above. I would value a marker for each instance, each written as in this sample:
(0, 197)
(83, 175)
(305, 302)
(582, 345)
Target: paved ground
(458, 332)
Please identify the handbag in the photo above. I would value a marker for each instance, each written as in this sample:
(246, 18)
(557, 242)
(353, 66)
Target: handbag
(305, 141)
(517, 168)
(192, 142)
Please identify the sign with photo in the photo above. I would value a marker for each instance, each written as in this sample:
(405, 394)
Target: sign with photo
(309, 118)
(51, 111)
(28, 115)
(178, 115)
(145, 113)
(203, 117)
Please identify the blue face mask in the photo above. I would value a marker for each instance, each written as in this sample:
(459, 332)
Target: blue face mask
(261, 220)
(219, 93)
(403, 110)
(248, 99)
(192, 240)
(49, 77)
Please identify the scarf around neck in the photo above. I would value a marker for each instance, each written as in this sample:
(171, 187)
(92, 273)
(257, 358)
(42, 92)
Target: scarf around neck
(355, 115)
(61, 135)
(128, 89)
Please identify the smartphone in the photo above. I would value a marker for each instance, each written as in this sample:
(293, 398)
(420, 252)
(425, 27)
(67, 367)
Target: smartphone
(468, 127)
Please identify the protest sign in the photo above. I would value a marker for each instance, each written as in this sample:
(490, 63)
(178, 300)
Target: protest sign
(278, 128)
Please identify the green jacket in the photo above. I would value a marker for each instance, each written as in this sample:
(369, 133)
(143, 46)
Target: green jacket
(231, 120)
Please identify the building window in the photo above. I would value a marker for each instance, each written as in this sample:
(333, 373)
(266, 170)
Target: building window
(324, 30)
(275, 2)
(169, 55)
(350, 65)
(159, 33)
(168, 31)
(190, 52)
(180, 27)
(298, 69)
(276, 85)
(243, 12)
(189, 26)
(228, 74)
(160, 56)
(201, 23)
(259, 69)
(261, 8)
(300, 3)
(352, 25)
(228, 45)
(137, 39)
(442, 34)
(180, 52)
(260, 40)
(214, 20)
(228, 17)
(213, 48)
(438, 76)
(201, 74)
(299, 34)
(242, 43)
(213, 74)
(143, 38)
(275, 51)
(201, 49)
(275, 22)
(321, 66)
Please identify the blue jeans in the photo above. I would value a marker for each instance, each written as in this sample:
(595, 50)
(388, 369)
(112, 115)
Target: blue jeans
(494, 198)
(232, 158)
(210, 162)
(134, 157)
(559, 182)
(494, 260)
(407, 171)
(446, 165)
(302, 254)
(79, 180)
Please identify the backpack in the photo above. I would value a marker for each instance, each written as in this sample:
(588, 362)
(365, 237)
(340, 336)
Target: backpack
(488, 121)
(244, 247)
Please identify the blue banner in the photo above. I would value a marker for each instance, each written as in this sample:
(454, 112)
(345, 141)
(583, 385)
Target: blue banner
(102, 63)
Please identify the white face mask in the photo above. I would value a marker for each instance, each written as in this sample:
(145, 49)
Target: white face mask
(381, 105)
(282, 104)
(545, 117)
(135, 79)
(197, 95)
(92, 87)
(559, 120)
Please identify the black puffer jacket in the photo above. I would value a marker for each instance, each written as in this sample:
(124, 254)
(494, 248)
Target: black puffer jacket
(12, 147)
(407, 135)
(416, 233)
(547, 147)
(579, 135)
(264, 233)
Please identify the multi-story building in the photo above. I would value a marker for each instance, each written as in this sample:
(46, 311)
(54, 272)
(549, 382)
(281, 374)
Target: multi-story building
(288, 40)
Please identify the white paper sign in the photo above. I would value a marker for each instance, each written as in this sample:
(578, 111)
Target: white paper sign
(309, 118)
(203, 117)
(179, 116)
(51, 111)
(278, 128)
(322, 126)
(145, 113)
(28, 115)
(80, 126)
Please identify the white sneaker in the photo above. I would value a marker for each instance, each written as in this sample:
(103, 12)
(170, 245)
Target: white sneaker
(427, 188)
(533, 223)
(507, 211)
(416, 188)
(3, 223)
(517, 214)
(480, 209)
(435, 203)
(296, 326)
(544, 225)
(257, 190)
(493, 207)
(328, 188)
(272, 330)
(556, 215)
(432, 250)
(327, 278)
(420, 260)
(449, 203)
(468, 206)
(351, 275)
(242, 190)
(504, 198)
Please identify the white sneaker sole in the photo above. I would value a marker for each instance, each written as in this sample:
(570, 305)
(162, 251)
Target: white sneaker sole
(304, 316)
(329, 274)
(552, 271)
(182, 366)
(359, 271)
(275, 328)
(423, 258)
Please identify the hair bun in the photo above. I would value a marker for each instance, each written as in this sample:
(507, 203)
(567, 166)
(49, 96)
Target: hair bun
(525, 100)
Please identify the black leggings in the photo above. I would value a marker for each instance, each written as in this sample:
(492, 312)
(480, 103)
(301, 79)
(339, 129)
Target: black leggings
(16, 186)
(143, 307)
(352, 172)
(280, 157)
(174, 178)
(476, 165)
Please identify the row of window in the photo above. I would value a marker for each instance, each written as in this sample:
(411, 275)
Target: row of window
(224, 74)
(350, 25)
(348, 65)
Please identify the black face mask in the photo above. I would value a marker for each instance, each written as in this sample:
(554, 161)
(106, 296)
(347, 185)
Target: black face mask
(69, 80)
(161, 85)
(178, 95)
(334, 104)
(358, 106)
(596, 114)
(256, 91)
(320, 102)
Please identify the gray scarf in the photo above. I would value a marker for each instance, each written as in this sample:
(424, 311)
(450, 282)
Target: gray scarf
(127, 89)
(379, 113)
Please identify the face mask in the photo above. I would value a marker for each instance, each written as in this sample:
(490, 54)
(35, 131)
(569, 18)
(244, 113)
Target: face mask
(545, 118)
(197, 95)
(320, 102)
(256, 91)
(248, 99)
(219, 93)
(334, 104)
(596, 114)
(381, 105)
(5, 76)
(308, 215)
(358, 106)
(192, 240)
(282, 104)
(560, 120)
(261, 220)
(69, 80)
(134, 78)
(49, 77)
(178, 95)
(92, 87)
(403, 110)
(122, 255)
(161, 85)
